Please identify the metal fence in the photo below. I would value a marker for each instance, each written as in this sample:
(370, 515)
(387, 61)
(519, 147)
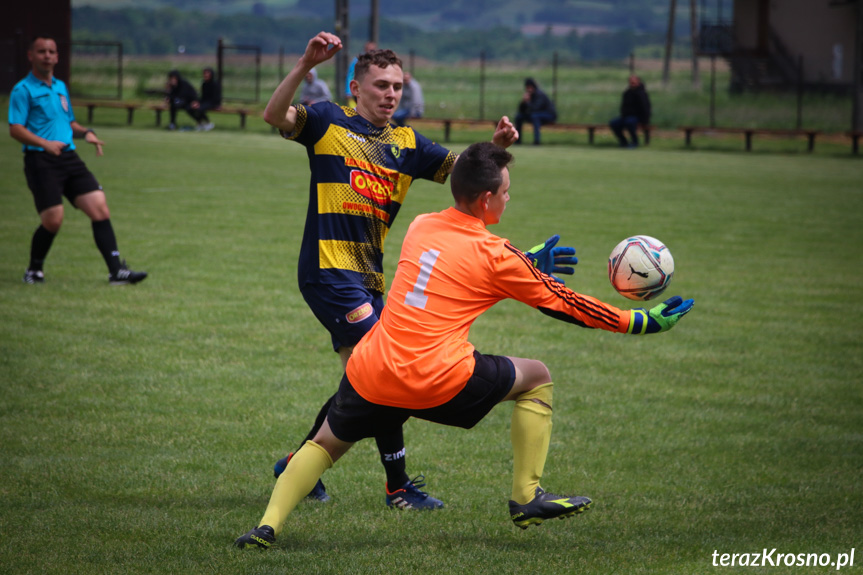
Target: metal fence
(96, 70)
(238, 68)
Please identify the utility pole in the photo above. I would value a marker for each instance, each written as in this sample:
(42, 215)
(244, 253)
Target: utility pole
(857, 102)
(669, 42)
(343, 31)
(693, 31)
(374, 27)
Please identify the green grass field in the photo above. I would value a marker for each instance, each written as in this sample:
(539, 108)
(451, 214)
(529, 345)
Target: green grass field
(139, 425)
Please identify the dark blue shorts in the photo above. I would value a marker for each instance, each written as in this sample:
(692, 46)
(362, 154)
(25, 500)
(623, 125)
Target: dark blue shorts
(352, 418)
(52, 177)
(347, 311)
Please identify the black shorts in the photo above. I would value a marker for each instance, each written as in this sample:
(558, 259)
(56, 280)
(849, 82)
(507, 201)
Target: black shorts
(347, 311)
(52, 177)
(352, 418)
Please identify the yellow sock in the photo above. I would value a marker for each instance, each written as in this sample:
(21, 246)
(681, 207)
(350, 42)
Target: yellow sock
(303, 471)
(530, 433)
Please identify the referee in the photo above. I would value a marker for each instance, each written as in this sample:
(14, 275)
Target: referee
(41, 118)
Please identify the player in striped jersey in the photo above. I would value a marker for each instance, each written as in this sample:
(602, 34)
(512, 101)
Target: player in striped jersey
(361, 169)
(417, 362)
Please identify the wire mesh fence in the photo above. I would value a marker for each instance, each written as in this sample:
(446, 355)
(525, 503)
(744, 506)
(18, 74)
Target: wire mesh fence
(96, 70)
(479, 89)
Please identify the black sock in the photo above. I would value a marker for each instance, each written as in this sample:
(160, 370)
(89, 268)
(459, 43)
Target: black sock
(103, 233)
(392, 450)
(39, 246)
(319, 421)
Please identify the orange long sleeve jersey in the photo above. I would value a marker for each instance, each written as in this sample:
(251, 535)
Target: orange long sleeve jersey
(451, 270)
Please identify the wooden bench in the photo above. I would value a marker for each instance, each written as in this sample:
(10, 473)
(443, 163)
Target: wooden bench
(592, 128)
(130, 108)
(448, 123)
(242, 112)
(749, 132)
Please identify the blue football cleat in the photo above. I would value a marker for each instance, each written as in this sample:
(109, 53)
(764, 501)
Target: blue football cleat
(408, 496)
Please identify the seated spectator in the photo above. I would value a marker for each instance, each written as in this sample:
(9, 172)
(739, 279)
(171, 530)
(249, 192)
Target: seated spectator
(181, 96)
(211, 99)
(315, 90)
(536, 108)
(634, 111)
(412, 104)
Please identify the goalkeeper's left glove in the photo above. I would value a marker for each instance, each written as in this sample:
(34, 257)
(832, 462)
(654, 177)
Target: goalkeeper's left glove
(660, 318)
(552, 260)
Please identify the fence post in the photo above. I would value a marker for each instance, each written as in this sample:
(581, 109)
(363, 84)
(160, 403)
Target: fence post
(554, 78)
(482, 85)
(120, 71)
(219, 56)
(258, 75)
(281, 62)
(800, 92)
(713, 90)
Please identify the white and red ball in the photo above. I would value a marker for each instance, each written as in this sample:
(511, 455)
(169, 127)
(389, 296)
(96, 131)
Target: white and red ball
(640, 267)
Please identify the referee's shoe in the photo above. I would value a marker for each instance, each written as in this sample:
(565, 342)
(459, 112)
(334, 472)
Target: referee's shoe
(125, 276)
(546, 506)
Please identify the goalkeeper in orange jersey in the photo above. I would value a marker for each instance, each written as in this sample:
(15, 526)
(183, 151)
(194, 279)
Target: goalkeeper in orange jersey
(416, 361)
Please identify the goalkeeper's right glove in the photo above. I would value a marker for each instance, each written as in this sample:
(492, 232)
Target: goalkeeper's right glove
(660, 318)
(550, 259)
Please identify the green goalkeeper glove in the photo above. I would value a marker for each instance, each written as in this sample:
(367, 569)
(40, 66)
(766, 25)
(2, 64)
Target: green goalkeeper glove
(552, 260)
(660, 318)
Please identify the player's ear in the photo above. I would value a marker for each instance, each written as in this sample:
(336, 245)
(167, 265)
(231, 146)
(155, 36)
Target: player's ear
(486, 198)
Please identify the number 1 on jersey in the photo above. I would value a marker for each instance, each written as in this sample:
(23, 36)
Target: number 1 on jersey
(416, 297)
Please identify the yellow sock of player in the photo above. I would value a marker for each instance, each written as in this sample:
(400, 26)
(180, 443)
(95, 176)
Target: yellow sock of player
(303, 471)
(530, 433)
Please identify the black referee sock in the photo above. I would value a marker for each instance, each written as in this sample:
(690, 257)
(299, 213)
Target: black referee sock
(39, 247)
(103, 233)
(392, 450)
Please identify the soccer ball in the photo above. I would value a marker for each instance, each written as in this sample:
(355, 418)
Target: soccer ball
(640, 267)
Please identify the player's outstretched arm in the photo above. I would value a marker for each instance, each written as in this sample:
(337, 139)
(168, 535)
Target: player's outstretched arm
(550, 259)
(279, 112)
(660, 318)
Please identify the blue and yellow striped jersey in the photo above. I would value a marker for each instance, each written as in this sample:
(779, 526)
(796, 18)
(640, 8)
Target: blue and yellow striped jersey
(360, 175)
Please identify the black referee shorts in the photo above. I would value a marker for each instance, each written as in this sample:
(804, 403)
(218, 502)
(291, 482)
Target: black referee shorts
(52, 177)
(353, 418)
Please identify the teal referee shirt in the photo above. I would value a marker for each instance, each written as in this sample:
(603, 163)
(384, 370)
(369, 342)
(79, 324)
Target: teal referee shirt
(44, 110)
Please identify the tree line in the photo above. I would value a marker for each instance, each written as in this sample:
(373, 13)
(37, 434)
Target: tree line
(163, 31)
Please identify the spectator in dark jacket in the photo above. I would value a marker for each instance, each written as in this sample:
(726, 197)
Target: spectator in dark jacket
(181, 96)
(211, 99)
(634, 111)
(536, 108)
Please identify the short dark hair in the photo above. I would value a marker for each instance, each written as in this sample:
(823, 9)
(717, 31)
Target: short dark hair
(530, 82)
(380, 58)
(40, 37)
(477, 170)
